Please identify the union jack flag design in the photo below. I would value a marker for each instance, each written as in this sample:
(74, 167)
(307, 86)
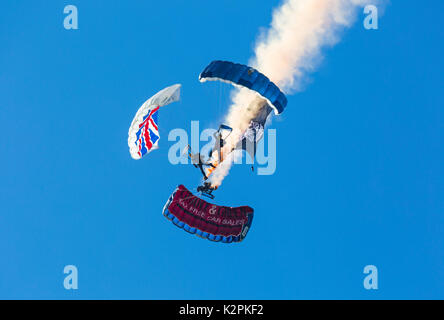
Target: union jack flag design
(143, 133)
(148, 133)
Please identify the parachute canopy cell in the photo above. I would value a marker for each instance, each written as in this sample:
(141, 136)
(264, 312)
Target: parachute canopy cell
(245, 76)
(209, 221)
(143, 134)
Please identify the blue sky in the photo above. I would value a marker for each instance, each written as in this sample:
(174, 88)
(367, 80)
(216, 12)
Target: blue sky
(359, 176)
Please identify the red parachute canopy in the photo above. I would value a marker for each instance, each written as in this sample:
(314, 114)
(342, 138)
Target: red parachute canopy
(210, 221)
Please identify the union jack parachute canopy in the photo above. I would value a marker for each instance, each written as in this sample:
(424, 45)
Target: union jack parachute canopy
(143, 134)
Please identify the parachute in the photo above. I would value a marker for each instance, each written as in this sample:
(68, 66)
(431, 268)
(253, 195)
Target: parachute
(143, 134)
(209, 221)
(187, 211)
(245, 76)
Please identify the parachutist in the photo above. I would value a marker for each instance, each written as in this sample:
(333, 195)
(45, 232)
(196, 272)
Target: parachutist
(206, 189)
(214, 156)
(196, 160)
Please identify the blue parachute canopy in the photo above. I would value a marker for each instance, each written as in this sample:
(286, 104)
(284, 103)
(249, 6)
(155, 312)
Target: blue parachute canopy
(245, 76)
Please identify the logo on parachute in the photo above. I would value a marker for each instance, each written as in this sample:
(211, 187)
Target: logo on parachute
(213, 210)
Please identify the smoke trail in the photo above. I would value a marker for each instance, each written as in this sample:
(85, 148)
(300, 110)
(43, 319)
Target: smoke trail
(289, 49)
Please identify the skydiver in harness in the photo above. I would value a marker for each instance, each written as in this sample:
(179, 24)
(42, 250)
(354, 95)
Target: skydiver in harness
(198, 163)
(207, 167)
(196, 158)
(206, 188)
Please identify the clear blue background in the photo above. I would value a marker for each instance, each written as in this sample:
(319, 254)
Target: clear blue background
(359, 176)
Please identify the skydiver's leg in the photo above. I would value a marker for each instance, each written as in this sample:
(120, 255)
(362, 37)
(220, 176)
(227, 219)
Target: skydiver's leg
(203, 172)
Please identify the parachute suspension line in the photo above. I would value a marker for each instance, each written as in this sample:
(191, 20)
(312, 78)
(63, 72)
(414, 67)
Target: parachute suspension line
(194, 194)
(220, 97)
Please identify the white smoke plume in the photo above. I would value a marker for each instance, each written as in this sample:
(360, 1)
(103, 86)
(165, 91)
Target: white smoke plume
(286, 53)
